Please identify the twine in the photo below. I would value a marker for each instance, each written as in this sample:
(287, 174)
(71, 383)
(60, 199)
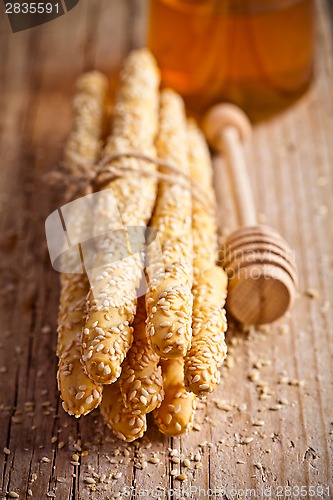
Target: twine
(106, 172)
(90, 179)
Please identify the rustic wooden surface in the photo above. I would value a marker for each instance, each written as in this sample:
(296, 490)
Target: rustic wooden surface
(291, 160)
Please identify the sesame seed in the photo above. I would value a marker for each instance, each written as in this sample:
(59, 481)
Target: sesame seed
(45, 460)
(164, 324)
(90, 480)
(312, 293)
(143, 400)
(203, 387)
(13, 494)
(258, 423)
(132, 395)
(276, 407)
(135, 430)
(181, 477)
(223, 405)
(154, 460)
(79, 395)
(247, 440)
(6, 451)
(178, 427)
(107, 370)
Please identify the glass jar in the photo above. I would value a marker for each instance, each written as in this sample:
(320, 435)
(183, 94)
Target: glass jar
(255, 53)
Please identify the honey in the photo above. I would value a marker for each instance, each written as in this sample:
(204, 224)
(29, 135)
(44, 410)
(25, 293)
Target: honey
(255, 53)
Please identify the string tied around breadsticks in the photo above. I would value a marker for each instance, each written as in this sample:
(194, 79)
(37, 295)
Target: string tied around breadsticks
(106, 171)
(89, 179)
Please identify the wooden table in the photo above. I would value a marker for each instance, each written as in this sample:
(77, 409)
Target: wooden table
(281, 376)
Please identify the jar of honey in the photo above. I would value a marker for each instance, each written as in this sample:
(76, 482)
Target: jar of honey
(257, 54)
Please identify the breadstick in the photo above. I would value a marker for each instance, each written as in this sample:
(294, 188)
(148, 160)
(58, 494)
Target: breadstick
(208, 348)
(108, 333)
(169, 298)
(80, 395)
(176, 413)
(124, 423)
(141, 381)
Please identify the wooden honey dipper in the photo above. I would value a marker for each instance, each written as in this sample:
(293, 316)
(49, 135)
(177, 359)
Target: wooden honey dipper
(259, 263)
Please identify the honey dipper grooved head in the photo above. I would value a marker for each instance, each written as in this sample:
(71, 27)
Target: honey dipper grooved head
(262, 275)
(221, 116)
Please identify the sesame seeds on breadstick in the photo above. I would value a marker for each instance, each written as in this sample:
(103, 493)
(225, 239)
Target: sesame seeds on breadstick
(169, 298)
(79, 393)
(111, 304)
(176, 413)
(208, 349)
(126, 424)
(141, 381)
(159, 353)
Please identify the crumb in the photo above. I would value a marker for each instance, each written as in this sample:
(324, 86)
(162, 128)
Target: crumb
(312, 293)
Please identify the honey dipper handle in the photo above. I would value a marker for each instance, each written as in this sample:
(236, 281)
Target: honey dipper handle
(226, 126)
(237, 169)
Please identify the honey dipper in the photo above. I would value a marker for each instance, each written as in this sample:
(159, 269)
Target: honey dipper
(259, 263)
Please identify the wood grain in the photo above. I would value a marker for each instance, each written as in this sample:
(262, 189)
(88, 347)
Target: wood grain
(293, 155)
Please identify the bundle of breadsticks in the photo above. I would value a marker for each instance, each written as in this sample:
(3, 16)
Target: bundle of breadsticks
(159, 353)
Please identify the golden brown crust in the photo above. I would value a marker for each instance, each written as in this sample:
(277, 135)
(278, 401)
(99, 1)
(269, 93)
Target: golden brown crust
(125, 424)
(108, 333)
(80, 395)
(176, 413)
(208, 348)
(169, 298)
(141, 381)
